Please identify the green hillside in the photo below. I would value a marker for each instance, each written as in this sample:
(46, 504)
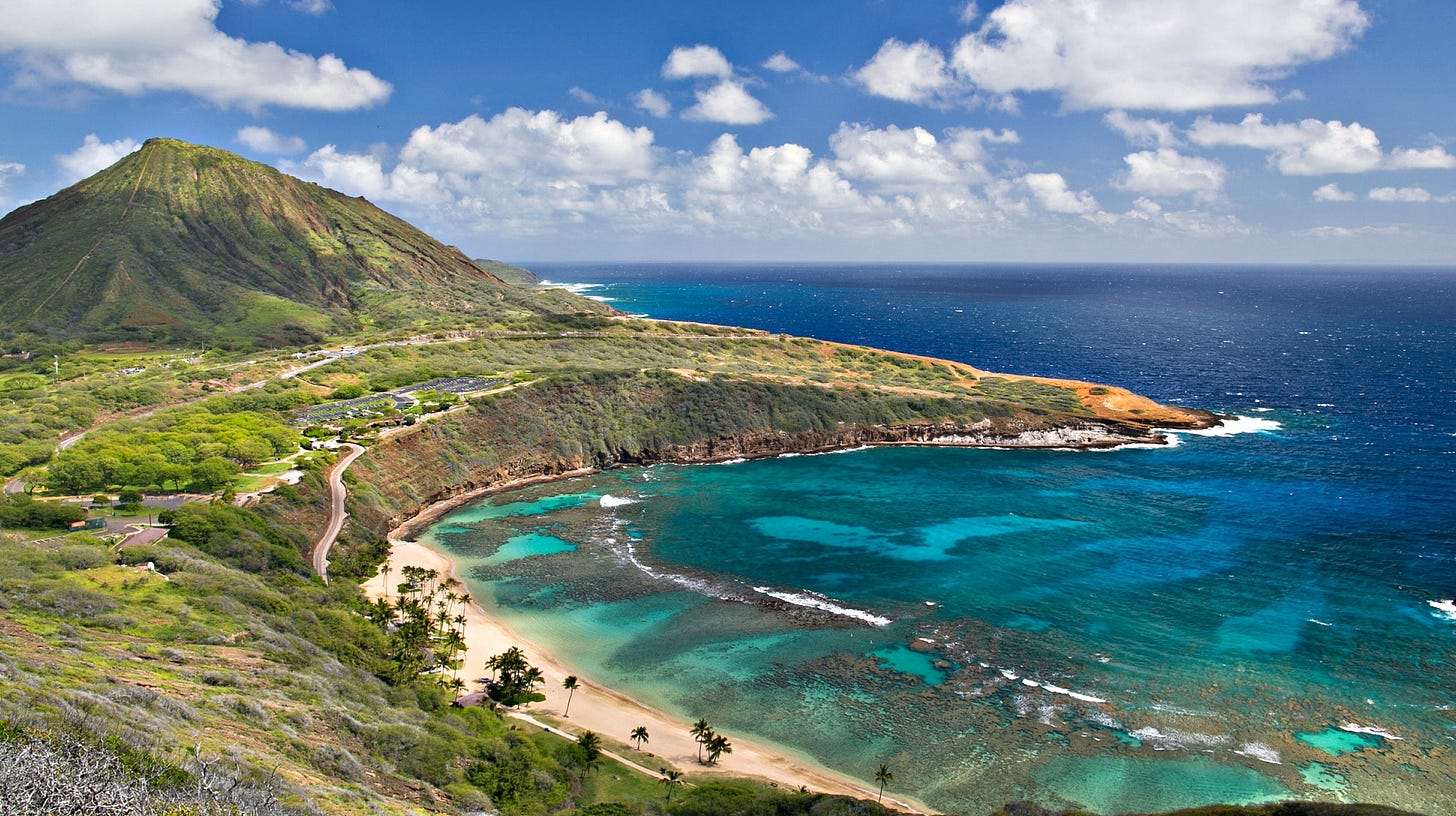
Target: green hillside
(179, 241)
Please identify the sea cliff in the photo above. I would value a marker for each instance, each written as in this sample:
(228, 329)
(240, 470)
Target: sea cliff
(576, 425)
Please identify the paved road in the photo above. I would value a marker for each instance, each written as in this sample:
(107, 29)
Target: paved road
(527, 718)
(337, 493)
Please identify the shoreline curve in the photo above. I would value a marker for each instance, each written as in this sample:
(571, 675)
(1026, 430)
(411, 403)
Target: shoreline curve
(610, 712)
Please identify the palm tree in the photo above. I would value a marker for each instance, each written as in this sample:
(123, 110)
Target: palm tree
(670, 780)
(571, 686)
(639, 736)
(718, 745)
(702, 732)
(590, 744)
(884, 777)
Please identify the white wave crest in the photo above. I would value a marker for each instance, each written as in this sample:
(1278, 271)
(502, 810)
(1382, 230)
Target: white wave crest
(1175, 740)
(1261, 752)
(608, 500)
(1445, 609)
(1238, 425)
(574, 288)
(1075, 695)
(814, 600)
(1030, 683)
(1373, 730)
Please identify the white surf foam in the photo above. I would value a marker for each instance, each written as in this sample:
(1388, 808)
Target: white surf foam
(608, 500)
(814, 600)
(1261, 752)
(574, 288)
(1373, 730)
(1445, 609)
(1176, 740)
(1237, 425)
(1075, 695)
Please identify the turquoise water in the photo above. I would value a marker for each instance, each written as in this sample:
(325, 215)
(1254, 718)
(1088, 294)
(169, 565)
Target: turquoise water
(1234, 618)
(1336, 742)
(528, 545)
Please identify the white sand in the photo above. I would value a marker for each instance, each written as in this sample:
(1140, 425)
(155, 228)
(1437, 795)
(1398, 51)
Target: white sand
(614, 715)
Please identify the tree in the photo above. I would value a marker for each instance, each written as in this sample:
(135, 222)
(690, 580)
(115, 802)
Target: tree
(884, 777)
(639, 736)
(590, 745)
(214, 472)
(513, 680)
(702, 732)
(718, 745)
(250, 451)
(670, 780)
(571, 686)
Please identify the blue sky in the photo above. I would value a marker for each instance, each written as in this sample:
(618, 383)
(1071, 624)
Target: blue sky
(1024, 130)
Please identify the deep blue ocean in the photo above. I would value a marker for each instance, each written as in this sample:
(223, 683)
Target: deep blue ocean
(1242, 616)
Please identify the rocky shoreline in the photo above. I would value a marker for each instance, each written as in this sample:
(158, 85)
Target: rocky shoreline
(1088, 434)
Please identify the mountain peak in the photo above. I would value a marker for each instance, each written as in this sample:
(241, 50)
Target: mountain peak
(178, 240)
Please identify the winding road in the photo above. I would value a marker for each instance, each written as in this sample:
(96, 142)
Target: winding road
(337, 493)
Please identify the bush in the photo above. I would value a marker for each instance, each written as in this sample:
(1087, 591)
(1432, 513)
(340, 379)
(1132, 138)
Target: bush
(83, 556)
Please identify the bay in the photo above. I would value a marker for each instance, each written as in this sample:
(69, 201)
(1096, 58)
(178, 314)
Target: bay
(1238, 617)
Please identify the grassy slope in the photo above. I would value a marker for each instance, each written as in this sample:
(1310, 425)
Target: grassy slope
(180, 240)
(647, 392)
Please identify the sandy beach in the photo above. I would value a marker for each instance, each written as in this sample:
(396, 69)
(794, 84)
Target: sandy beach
(615, 715)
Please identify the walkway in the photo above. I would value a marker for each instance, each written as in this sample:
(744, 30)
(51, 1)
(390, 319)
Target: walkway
(337, 494)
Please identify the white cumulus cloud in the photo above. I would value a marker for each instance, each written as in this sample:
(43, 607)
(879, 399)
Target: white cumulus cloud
(1308, 148)
(264, 140)
(1166, 55)
(729, 103)
(1051, 192)
(1430, 158)
(529, 175)
(697, 61)
(590, 149)
(8, 170)
(1332, 192)
(142, 48)
(94, 155)
(1166, 172)
(1142, 132)
(781, 63)
(896, 159)
(908, 72)
(652, 102)
(1408, 195)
